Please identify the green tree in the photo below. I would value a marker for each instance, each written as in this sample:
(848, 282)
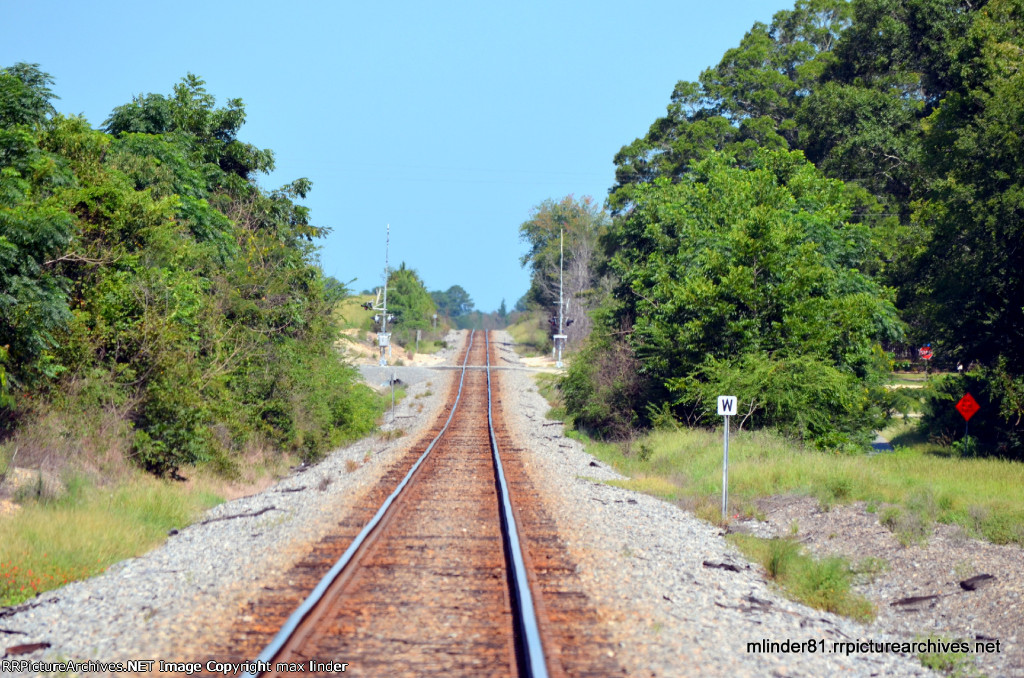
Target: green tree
(973, 288)
(453, 302)
(970, 290)
(34, 230)
(207, 132)
(732, 269)
(25, 96)
(571, 265)
(148, 267)
(410, 303)
(750, 100)
(849, 83)
(915, 105)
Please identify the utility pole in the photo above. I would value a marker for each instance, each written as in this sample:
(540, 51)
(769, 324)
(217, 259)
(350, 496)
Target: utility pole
(560, 337)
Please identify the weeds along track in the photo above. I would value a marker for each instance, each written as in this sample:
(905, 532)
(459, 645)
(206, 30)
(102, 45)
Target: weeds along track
(458, 570)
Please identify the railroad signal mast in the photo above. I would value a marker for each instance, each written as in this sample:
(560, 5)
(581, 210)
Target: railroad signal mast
(560, 337)
(384, 337)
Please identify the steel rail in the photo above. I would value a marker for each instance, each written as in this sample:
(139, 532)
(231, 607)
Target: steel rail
(527, 618)
(300, 614)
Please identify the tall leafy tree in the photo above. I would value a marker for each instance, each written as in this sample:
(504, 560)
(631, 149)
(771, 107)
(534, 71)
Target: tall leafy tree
(410, 302)
(913, 104)
(562, 239)
(974, 290)
(750, 100)
(453, 302)
(971, 291)
(748, 279)
(209, 133)
(145, 264)
(34, 230)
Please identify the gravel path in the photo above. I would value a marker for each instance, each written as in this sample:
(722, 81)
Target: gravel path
(675, 596)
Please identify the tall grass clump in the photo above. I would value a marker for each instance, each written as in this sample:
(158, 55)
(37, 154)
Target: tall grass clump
(82, 531)
(824, 584)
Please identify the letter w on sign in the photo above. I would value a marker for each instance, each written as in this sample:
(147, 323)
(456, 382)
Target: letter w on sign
(726, 406)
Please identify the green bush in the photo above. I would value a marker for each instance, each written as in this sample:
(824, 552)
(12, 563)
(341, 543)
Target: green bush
(603, 388)
(411, 304)
(800, 396)
(745, 279)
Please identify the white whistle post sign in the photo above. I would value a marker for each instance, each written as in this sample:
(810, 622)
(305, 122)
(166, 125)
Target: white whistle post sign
(726, 408)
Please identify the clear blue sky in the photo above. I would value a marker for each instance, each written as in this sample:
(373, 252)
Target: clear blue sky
(448, 120)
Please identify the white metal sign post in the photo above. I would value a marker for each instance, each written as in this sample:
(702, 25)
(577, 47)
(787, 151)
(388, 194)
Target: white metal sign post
(726, 408)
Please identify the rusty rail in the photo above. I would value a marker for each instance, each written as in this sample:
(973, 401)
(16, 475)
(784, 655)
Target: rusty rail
(529, 646)
(526, 619)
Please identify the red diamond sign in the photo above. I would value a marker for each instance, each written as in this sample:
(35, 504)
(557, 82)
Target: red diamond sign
(967, 407)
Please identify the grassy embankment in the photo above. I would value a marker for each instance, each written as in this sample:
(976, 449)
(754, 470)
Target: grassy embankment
(349, 312)
(62, 532)
(351, 315)
(920, 478)
(912, 488)
(531, 333)
(52, 540)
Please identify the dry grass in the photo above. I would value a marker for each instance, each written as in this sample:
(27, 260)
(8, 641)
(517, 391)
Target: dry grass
(57, 439)
(82, 503)
(391, 434)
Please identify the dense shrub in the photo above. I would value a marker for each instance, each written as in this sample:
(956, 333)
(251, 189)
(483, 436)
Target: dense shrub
(801, 396)
(411, 304)
(603, 388)
(744, 281)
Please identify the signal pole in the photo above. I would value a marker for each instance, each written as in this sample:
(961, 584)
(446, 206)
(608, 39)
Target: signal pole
(560, 337)
(383, 338)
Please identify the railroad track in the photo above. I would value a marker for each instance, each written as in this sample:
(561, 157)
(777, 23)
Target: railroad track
(450, 565)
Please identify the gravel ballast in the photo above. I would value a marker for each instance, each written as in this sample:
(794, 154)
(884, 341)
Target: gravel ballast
(675, 596)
